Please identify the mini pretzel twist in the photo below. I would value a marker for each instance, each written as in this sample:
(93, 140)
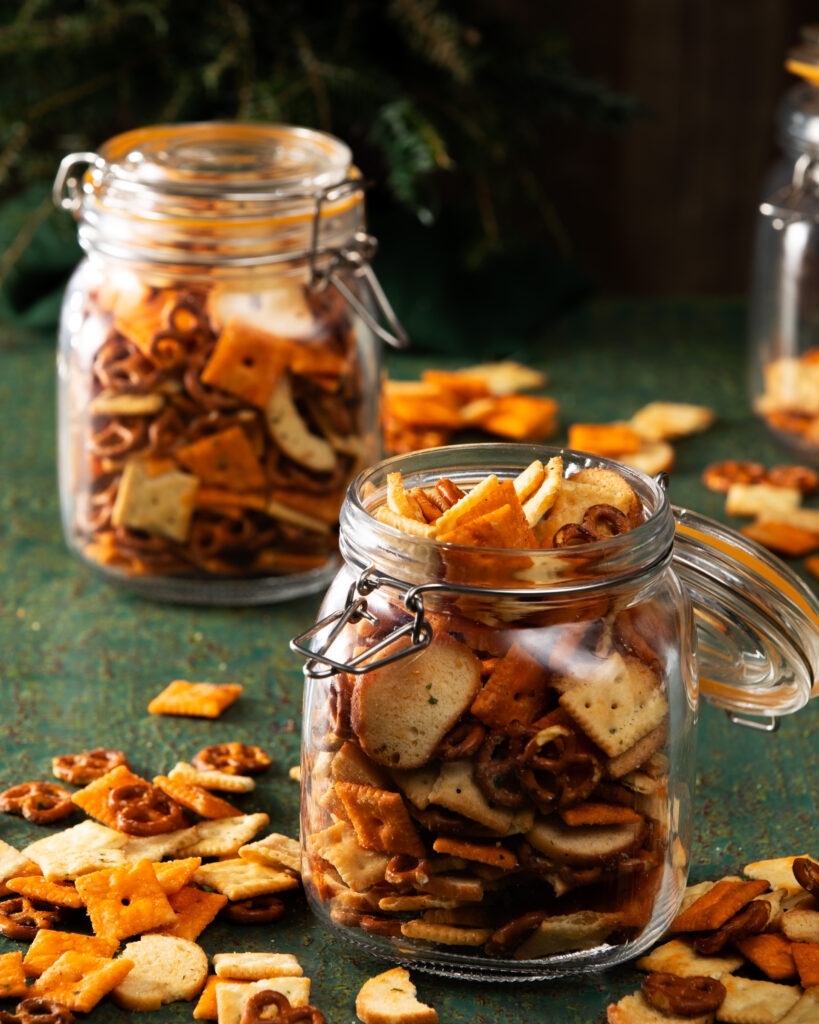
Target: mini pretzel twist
(234, 758)
(751, 920)
(496, 768)
(407, 873)
(806, 872)
(687, 997)
(40, 802)
(802, 478)
(21, 918)
(554, 772)
(720, 475)
(142, 809)
(253, 1012)
(605, 521)
(512, 934)
(38, 1011)
(572, 535)
(80, 769)
(463, 740)
(120, 366)
(256, 910)
(119, 436)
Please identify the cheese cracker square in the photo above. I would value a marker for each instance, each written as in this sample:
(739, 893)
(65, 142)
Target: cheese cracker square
(78, 850)
(256, 966)
(38, 888)
(94, 798)
(247, 362)
(79, 980)
(771, 953)
(806, 957)
(679, 957)
(240, 880)
(231, 996)
(275, 851)
(194, 909)
(205, 1008)
(196, 798)
(380, 819)
(617, 704)
(226, 459)
(176, 874)
(184, 772)
(14, 864)
(515, 690)
(48, 946)
(806, 1011)
(12, 975)
(359, 868)
(222, 837)
(155, 848)
(125, 900)
(716, 906)
(161, 504)
(636, 1009)
(198, 700)
(755, 1002)
(778, 872)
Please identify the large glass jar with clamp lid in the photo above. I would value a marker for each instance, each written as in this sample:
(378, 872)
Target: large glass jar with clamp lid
(498, 744)
(219, 358)
(784, 313)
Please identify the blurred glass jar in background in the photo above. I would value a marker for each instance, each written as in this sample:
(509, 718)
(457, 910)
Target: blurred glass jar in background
(219, 358)
(784, 316)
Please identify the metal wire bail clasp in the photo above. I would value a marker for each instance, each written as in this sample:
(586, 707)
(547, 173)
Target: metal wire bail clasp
(355, 258)
(67, 189)
(321, 666)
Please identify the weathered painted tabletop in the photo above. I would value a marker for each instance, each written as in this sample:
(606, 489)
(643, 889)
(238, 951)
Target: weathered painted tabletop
(80, 659)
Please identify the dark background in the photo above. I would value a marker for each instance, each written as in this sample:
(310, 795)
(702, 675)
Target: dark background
(525, 155)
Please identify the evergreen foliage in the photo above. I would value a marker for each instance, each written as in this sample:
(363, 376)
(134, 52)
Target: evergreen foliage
(445, 103)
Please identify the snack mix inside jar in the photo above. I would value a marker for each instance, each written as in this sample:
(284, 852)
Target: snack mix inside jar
(501, 702)
(784, 317)
(218, 363)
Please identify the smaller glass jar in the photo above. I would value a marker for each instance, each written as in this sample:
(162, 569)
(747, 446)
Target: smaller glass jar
(784, 306)
(499, 745)
(218, 358)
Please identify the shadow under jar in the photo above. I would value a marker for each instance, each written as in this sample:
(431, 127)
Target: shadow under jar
(218, 359)
(498, 747)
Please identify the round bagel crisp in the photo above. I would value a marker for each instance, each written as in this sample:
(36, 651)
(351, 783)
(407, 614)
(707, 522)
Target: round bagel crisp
(402, 711)
(166, 969)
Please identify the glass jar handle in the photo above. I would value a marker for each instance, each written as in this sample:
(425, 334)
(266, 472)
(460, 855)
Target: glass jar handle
(757, 623)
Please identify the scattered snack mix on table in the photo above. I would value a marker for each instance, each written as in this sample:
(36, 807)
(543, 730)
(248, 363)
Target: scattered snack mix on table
(736, 952)
(116, 874)
(430, 412)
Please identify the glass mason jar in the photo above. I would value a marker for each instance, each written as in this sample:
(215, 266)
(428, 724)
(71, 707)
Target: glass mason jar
(784, 306)
(542, 827)
(218, 358)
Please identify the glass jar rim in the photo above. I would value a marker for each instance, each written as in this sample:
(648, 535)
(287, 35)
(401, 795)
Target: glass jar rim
(215, 193)
(365, 540)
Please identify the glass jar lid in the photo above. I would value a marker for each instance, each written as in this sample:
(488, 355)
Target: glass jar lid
(214, 193)
(223, 158)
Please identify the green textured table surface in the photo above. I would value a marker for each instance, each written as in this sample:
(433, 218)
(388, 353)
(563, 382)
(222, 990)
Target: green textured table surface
(80, 659)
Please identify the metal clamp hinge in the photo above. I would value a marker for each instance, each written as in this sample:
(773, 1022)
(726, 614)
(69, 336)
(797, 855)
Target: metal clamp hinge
(769, 723)
(354, 258)
(320, 665)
